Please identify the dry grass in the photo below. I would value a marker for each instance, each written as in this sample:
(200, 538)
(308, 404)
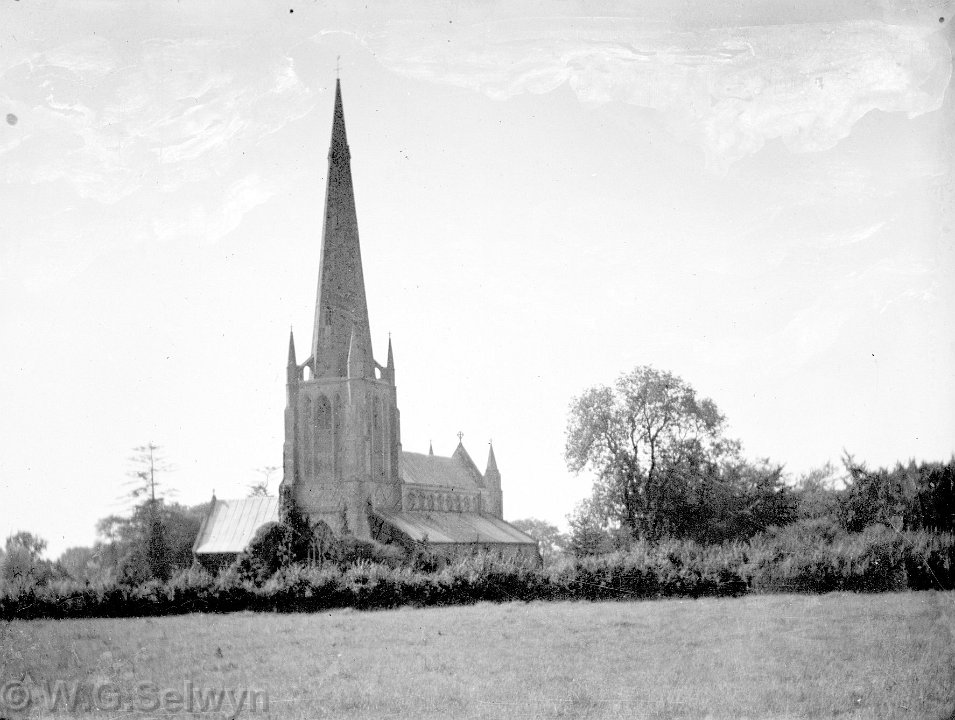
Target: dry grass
(782, 656)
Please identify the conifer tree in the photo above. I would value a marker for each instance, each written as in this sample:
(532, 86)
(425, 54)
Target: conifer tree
(146, 493)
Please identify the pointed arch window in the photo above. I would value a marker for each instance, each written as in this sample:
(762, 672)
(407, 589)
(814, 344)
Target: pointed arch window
(337, 432)
(307, 446)
(323, 413)
(322, 444)
(377, 441)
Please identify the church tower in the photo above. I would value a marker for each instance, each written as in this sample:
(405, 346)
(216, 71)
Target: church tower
(342, 437)
(344, 468)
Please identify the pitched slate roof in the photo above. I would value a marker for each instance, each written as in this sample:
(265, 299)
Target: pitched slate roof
(231, 524)
(456, 472)
(441, 528)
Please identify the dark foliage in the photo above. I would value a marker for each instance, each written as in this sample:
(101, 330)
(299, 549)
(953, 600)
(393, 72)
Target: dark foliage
(152, 543)
(278, 546)
(911, 497)
(663, 467)
(811, 556)
(817, 556)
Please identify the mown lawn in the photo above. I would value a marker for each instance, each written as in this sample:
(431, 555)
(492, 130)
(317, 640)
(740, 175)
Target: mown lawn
(771, 656)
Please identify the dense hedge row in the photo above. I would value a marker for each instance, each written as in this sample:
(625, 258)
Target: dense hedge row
(798, 558)
(815, 557)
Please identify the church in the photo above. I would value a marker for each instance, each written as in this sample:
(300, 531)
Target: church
(343, 464)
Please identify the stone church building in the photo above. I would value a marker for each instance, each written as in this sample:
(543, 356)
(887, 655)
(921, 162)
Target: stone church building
(344, 466)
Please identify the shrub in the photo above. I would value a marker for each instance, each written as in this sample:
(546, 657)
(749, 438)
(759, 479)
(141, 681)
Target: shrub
(930, 560)
(804, 557)
(353, 551)
(816, 556)
(191, 590)
(794, 558)
(670, 568)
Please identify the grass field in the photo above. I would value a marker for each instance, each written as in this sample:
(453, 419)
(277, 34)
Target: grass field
(771, 656)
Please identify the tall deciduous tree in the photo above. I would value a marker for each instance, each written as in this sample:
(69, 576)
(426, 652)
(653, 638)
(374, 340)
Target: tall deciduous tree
(635, 434)
(663, 466)
(550, 540)
(22, 566)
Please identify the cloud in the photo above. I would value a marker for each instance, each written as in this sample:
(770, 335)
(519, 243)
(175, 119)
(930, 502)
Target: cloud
(208, 226)
(810, 333)
(173, 112)
(851, 237)
(727, 89)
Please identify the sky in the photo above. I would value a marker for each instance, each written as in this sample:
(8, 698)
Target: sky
(754, 196)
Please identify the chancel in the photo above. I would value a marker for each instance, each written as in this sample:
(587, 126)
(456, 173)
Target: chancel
(344, 465)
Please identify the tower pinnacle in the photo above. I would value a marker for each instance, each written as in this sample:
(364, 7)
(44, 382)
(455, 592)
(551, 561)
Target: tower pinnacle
(491, 462)
(390, 367)
(292, 373)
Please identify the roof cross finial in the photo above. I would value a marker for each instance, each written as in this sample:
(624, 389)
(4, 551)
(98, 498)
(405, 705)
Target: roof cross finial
(338, 67)
(460, 436)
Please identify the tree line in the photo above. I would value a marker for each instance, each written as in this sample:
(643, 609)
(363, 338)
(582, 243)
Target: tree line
(151, 541)
(663, 467)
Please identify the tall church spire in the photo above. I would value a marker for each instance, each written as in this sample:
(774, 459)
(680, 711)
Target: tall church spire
(339, 145)
(341, 307)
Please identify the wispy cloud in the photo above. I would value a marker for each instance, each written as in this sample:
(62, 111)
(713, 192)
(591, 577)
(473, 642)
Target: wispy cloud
(851, 237)
(175, 111)
(728, 89)
(208, 225)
